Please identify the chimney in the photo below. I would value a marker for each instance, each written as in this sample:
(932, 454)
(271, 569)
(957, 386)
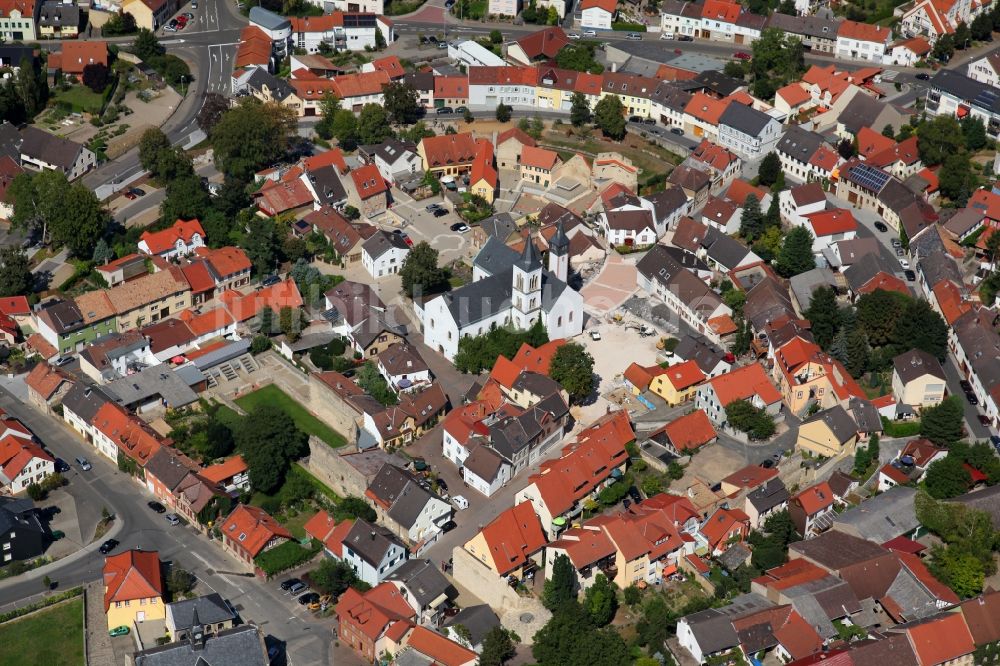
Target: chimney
(372, 535)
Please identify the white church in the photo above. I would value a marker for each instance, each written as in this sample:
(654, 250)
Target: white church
(508, 289)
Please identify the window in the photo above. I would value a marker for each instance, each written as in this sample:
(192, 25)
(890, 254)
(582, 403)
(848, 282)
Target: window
(118, 604)
(6, 546)
(127, 603)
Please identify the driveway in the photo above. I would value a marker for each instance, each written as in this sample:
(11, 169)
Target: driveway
(421, 225)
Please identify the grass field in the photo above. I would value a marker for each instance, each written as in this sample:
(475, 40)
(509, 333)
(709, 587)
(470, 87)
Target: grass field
(81, 98)
(53, 637)
(273, 395)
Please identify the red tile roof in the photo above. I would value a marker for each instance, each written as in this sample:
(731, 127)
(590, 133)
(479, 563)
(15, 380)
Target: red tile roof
(225, 261)
(706, 109)
(277, 197)
(743, 384)
(815, 498)
(76, 55)
(134, 574)
(539, 158)
(368, 181)
(871, 142)
(864, 32)
(895, 474)
(750, 477)
(516, 134)
(45, 379)
(502, 75)
(391, 66)
(640, 377)
(451, 87)
(607, 5)
(684, 375)
(545, 43)
(198, 277)
(17, 452)
(885, 282)
(368, 616)
(277, 296)
(251, 528)
(126, 432)
(584, 545)
(714, 155)
(482, 166)
(794, 94)
(741, 189)
(438, 648)
(449, 149)
(690, 431)
(159, 242)
(14, 306)
(513, 536)
(332, 157)
(720, 10)
(225, 470)
(328, 531)
(833, 221)
(940, 639)
(722, 523)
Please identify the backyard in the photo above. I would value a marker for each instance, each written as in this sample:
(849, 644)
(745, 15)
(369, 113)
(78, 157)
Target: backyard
(649, 158)
(80, 98)
(308, 423)
(53, 637)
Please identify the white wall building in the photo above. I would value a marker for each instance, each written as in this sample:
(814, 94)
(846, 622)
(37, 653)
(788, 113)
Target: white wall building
(383, 254)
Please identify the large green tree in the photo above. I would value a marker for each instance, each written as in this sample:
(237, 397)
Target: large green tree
(69, 215)
(262, 244)
(269, 441)
(32, 88)
(938, 138)
(824, 315)
(752, 220)
(958, 179)
(878, 313)
(609, 116)
(146, 45)
(778, 58)
(947, 478)
(401, 103)
(560, 589)
(796, 254)
(573, 367)
(373, 125)
(187, 198)
(601, 601)
(499, 647)
(942, 423)
(213, 107)
(579, 110)
(570, 639)
(921, 327)
(15, 272)
(769, 170)
(251, 136)
(420, 274)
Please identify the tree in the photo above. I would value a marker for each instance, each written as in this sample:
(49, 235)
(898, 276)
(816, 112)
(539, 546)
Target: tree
(496, 37)
(186, 198)
(401, 102)
(15, 272)
(503, 112)
(375, 385)
(877, 314)
(373, 125)
(269, 441)
(858, 352)
(752, 220)
(344, 128)
(769, 169)
(329, 105)
(755, 422)
(573, 367)
(735, 69)
(962, 36)
(467, 116)
(609, 116)
(289, 321)
(354, 507)
(262, 244)
(958, 569)
(498, 646)
(579, 58)
(213, 105)
(938, 138)
(251, 136)
(333, 577)
(570, 639)
(862, 459)
(982, 28)
(947, 478)
(69, 215)
(601, 601)
(95, 77)
(103, 253)
(579, 111)
(796, 254)
(944, 48)
(560, 589)
(420, 274)
(632, 595)
(921, 327)
(160, 158)
(942, 423)
(777, 59)
(31, 87)
(179, 582)
(146, 45)
(974, 133)
(957, 180)
(846, 149)
(824, 314)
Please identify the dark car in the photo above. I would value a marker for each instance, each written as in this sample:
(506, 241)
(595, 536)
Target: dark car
(910, 275)
(449, 526)
(985, 420)
(460, 227)
(440, 212)
(137, 191)
(881, 227)
(108, 546)
(445, 109)
(996, 442)
(971, 397)
(677, 130)
(685, 38)
(61, 465)
(965, 385)
(635, 119)
(633, 492)
(288, 584)
(923, 77)
(157, 507)
(461, 109)
(130, 195)
(309, 598)
(433, 207)
(442, 485)
(270, 280)
(767, 464)
(649, 121)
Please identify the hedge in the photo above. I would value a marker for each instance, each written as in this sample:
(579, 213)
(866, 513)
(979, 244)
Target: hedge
(286, 556)
(628, 27)
(38, 605)
(900, 428)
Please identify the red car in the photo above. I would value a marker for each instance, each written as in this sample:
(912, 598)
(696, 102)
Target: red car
(742, 56)
(181, 22)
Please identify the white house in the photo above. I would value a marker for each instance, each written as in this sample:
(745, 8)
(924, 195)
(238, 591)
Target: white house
(42, 151)
(412, 512)
(22, 460)
(473, 54)
(749, 383)
(395, 160)
(342, 32)
(597, 14)
(797, 202)
(986, 70)
(178, 240)
(748, 132)
(370, 549)
(862, 41)
(383, 254)
(517, 291)
(514, 86)
(363, 6)
(908, 52)
(831, 226)
(403, 368)
(628, 227)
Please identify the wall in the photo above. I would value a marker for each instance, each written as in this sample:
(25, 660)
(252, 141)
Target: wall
(331, 409)
(471, 574)
(326, 465)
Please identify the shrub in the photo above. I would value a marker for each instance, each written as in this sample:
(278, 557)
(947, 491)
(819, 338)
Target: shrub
(286, 556)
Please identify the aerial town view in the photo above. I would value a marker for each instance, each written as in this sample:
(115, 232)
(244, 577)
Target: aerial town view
(499, 332)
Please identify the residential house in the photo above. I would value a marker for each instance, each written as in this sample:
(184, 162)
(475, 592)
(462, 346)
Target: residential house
(448, 155)
(47, 386)
(597, 14)
(395, 160)
(425, 588)
(133, 588)
(510, 145)
(41, 151)
(985, 70)
(19, 20)
(749, 383)
(369, 623)
(120, 435)
(805, 156)
(795, 203)
(483, 178)
(537, 165)
(513, 86)
(73, 57)
(542, 45)
(831, 226)
(403, 368)
(451, 91)
(710, 632)
(477, 620)
(179, 239)
(508, 548)
(628, 228)
(724, 528)
(360, 316)
(812, 510)
(764, 501)
(24, 535)
(209, 612)
(749, 133)
(940, 639)
(368, 191)
(805, 374)
(889, 515)
(862, 41)
(918, 379)
(678, 383)
(243, 645)
(249, 531)
(345, 237)
(686, 433)
(410, 511)
(232, 474)
(828, 433)
(22, 459)
(371, 550)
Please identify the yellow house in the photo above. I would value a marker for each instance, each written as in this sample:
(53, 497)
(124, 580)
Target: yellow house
(511, 544)
(150, 14)
(448, 154)
(828, 433)
(679, 383)
(138, 302)
(917, 379)
(133, 588)
(806, 375)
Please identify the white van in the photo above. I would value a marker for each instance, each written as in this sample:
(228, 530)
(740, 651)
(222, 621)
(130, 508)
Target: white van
(460, 502)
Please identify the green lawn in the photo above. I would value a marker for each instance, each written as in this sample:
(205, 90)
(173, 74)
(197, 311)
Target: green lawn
(273, 395)
(297, 524)
(81, 98)
(53, 637)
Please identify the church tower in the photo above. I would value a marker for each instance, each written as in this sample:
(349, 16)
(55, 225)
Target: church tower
(526, 294)
(559, 254)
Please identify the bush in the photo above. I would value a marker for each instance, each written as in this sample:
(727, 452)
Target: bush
(38, 605)
(286, 556)
(259, 344)
(628, 27)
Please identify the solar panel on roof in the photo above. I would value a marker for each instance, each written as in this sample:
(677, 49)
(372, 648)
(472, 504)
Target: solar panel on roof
(869, 177)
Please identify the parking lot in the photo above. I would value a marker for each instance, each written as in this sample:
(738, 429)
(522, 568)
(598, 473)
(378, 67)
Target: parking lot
(423, 225)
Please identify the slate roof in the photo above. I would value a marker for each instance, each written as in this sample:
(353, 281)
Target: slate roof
(745, 119)
(495, 255)
(240, 646)
(481, 299)
(986, 499)
(861, 111)
(915, 364)
(713, 628)
(371, 541)
(399, 491)
(477, 619)
(501, 226)
(773, 493)
(49, 148)
(211, 608)
(799, 143)
(383, 242)
(701, 351)
(835, 550)
(938, 266)
(838, 421)
(883, 517)
(423, 579)
(85, 401)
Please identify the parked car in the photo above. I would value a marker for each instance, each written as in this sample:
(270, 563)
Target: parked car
(62, 360)
(460, 227)
(590, 33)
(61, 465)
(904, 263)
(130, 195)
(445, 109)
(910, 275)
(685, 38)
(971, 397)
(440, 212)
(767, 464)
(595, 334)
(108, 546)
(677, 130)
(881, 227)
(649, 121)
(442, 45)
(407, 240)
(270, 280)
(635, 119)
(188, 15)
(442, 485)
(309, 598)
(573, 35)
(895, 242)
(84, 464)
(741, 55)
(996, 442)
(460, 502)
(449, 526)
(923, 76)
(965, 385)
(461, 109)
(431, 208)
(286, 585)
(633, 492)
(298, 587)
(119, 631)
(157, 507)
(984, 420)
(173, 519)
(634, 36)
(666, 35)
